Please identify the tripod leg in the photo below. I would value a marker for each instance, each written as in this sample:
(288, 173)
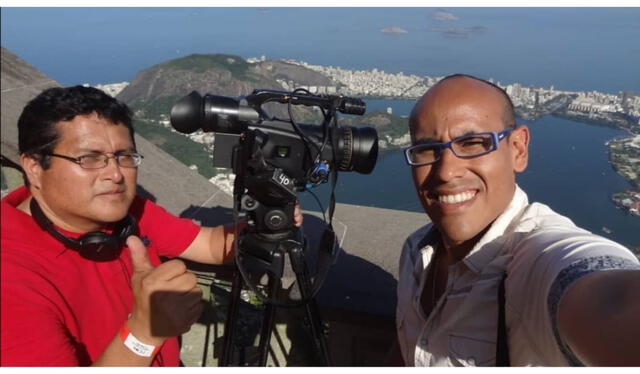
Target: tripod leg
(311, 308)
(230, 324)
(317, 330)
(268, 321)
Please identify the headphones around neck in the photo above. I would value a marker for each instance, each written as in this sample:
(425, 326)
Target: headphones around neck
(96, 245)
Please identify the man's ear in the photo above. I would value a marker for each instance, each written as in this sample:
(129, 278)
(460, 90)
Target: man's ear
(519, 144)
(32, 169)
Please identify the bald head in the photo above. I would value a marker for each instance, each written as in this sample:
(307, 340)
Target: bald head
(458, 85)
(464, 193)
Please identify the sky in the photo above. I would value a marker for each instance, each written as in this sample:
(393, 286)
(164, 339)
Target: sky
(570, 48)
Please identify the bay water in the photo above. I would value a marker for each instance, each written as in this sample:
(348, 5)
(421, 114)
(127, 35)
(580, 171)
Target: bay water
(568, 170)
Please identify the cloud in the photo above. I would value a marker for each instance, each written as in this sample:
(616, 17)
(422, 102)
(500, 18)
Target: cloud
(443, 15)
(458, 32)
(477, 29)
(394, 30)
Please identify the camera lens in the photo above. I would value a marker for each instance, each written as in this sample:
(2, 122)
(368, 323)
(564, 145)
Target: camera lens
(365, 149)
(358, 149)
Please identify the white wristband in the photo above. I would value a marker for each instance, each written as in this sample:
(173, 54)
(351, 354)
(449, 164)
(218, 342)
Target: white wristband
(135, 345)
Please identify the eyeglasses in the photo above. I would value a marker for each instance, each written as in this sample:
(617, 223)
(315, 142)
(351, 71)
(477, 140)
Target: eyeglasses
(101, 160)
(467, 146)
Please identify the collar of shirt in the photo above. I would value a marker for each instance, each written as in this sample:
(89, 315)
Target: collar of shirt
(494, 239)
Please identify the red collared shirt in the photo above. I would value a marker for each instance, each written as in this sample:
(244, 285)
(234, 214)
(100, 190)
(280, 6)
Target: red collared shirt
(59, 309)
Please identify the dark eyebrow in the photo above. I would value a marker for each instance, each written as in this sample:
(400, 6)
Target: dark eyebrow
(436, 141)
(468, 132)
(426, 141)
(86, 151)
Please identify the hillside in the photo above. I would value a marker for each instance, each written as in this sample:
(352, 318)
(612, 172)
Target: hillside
(153, 91)
(20, 83)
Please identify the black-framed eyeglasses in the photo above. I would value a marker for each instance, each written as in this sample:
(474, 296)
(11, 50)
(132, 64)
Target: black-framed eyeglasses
(101, 160)
(466, 146)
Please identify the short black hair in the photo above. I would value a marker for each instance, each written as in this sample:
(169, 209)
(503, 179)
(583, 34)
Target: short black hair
(509, 116)
(37, 133)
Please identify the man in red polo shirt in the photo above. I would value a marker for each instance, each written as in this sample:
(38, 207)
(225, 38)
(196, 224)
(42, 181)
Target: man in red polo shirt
(82, 281)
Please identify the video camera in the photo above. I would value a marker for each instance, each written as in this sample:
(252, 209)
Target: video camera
(274, 157)
(296, 149)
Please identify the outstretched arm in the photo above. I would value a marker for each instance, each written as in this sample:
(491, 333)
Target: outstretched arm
(599, 318)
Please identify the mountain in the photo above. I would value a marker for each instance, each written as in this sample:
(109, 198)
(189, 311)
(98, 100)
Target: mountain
(20, 83)
(153, 91)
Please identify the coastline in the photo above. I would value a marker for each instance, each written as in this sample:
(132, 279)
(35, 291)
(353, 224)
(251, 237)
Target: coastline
(624, 157)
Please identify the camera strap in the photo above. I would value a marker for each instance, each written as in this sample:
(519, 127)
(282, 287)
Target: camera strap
(328, 250)
(502, 346)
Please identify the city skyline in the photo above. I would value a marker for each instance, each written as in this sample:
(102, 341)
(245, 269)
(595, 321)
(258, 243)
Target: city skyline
(377, 83)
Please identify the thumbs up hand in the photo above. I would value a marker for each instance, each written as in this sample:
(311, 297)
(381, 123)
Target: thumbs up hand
(167, 299)
(139, 256)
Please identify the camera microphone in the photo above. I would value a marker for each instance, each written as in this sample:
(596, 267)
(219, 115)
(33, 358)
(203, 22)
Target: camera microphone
(350, 105)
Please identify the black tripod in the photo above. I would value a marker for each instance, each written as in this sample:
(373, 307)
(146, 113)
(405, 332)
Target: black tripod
(261, 254)
(268, 196)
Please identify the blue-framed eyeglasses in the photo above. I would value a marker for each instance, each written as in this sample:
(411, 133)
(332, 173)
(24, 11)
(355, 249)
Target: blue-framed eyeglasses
(466, 146)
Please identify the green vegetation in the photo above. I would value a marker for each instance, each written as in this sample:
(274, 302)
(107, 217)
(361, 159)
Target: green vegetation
(157, 107)
(624, 156)
(395, 128)
(182, 148)
(238, 67)
(384, 123)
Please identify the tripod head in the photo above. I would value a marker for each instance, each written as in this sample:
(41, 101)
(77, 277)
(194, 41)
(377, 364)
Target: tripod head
(268, 197)
(262, 190)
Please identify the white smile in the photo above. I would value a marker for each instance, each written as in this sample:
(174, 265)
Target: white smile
(457, 198)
